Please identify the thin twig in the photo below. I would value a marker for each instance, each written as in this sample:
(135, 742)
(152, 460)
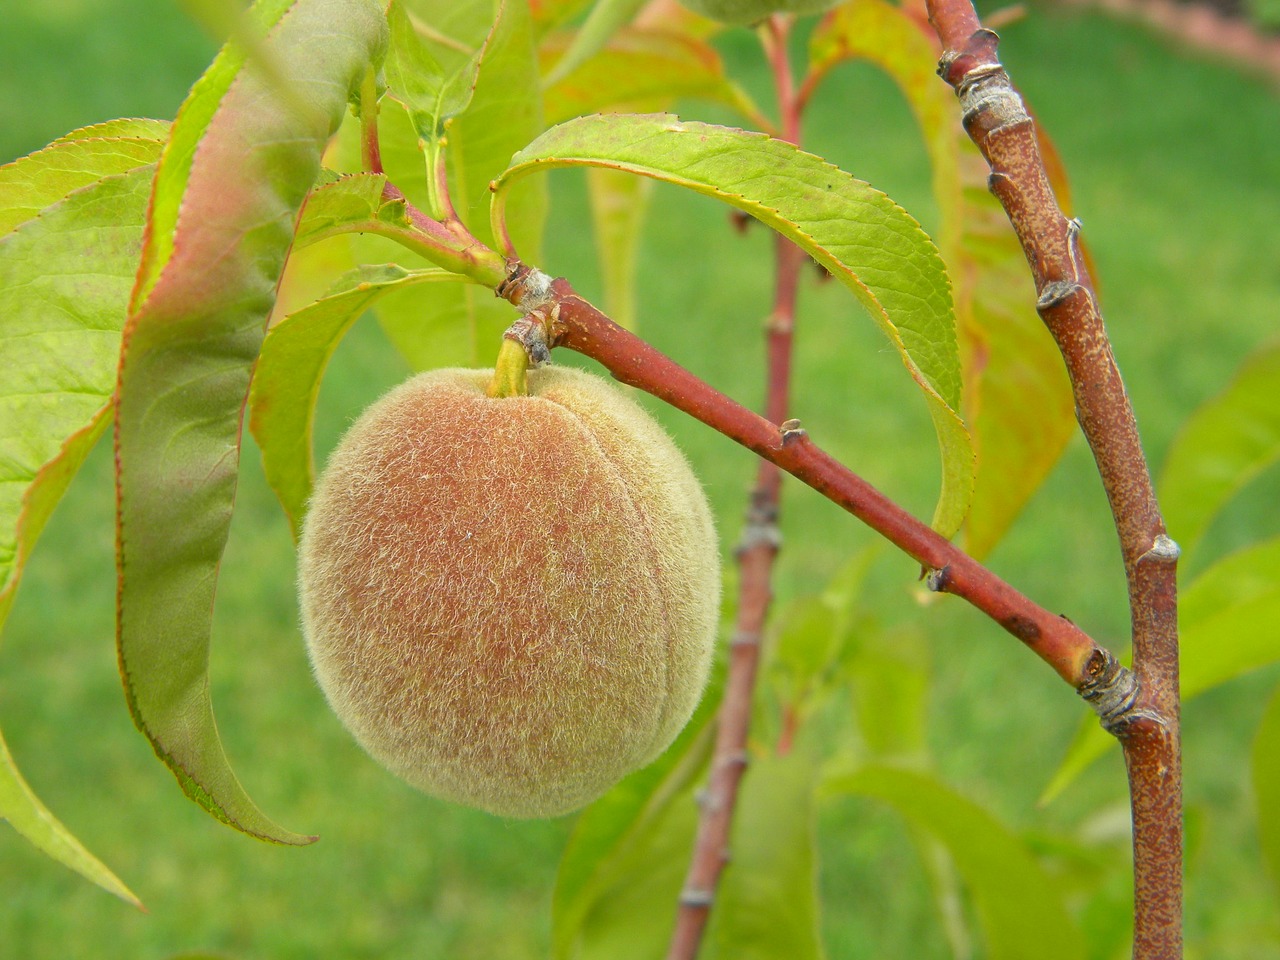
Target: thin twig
(756, 554)
(1148, 727)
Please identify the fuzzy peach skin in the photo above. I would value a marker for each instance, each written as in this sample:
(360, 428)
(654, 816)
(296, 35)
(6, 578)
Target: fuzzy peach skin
(511, 603)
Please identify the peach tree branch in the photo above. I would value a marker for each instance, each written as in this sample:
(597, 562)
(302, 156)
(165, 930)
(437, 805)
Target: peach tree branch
(1148, 727)
(570, 321)
(756, 554)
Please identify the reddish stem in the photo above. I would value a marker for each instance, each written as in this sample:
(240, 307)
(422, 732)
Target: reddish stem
(573, 322)
(756, 554)
(787, 736)
(370, 144)
(1148, 727)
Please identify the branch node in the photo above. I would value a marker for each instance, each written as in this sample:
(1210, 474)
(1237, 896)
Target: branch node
(938, 580)
(744, 638)
(986, 89)
(1056, 292)
(1112, 690)
(738, 758)
(976, 75)
(792, 431)
(759, 534)
(526, 287)
(697, 897)
(1164, 549)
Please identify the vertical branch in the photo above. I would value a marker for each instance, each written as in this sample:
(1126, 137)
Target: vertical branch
(370, 145)
(1147, 723)
(755, 554)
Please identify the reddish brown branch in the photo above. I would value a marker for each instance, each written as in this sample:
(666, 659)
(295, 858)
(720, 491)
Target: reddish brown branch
(370, 144)
(998, 123)
(729, 761)
(573, 322)
(756, 554)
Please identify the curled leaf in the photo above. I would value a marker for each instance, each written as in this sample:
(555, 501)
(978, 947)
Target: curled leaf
(242, 157)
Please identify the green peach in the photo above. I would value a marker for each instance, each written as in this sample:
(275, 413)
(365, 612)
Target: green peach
(510, 602)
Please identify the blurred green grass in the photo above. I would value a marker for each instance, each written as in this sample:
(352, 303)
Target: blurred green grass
(1173, 160)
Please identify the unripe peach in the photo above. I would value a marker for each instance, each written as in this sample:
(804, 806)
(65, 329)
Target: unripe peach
(510, 602)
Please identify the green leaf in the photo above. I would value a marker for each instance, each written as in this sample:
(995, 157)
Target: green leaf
(32, 819)
(767, 904)
(1226, 621)
(417, 80)
(65, 279)
(618, 206)
(807, 640)
(1017, 399)
(126, 128)
(889, 674)
(463, 324)
(1266, 784)
(637, 71)
(225, 201)
(1018, 906)
(504, 114)
(294, 356)
(348, 204)
(607, 17)
(815, 633)
(860, 235)
(642, 71)
(1225, 444)
(33, 182)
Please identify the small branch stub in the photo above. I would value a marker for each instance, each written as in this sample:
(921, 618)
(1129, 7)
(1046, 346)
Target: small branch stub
(1164, 550)
(526, 287)
(761, 528)
(792, 431)
(1113, 691)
